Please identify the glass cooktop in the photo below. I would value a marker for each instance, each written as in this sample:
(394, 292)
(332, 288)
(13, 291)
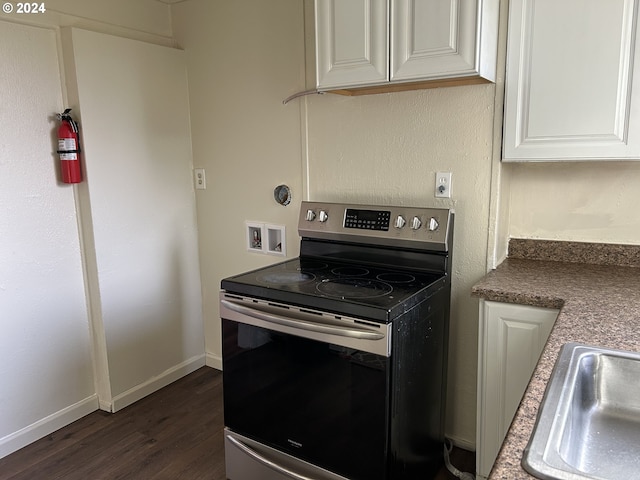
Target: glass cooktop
(364, 291)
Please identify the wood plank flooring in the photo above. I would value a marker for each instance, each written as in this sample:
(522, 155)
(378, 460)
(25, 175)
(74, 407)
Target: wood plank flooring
(175, 433)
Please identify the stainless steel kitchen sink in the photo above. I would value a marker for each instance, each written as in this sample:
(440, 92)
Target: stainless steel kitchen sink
(588, 425)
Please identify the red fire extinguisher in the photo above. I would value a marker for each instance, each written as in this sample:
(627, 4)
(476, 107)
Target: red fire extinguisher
(69, 148)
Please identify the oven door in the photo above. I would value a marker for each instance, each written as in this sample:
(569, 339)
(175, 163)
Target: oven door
(310, 384)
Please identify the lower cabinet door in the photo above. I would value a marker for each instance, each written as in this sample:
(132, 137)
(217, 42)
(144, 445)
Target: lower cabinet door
(510, 340)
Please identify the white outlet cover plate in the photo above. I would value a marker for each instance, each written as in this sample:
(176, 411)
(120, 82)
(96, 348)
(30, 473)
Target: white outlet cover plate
(200, 179)
(443, 185)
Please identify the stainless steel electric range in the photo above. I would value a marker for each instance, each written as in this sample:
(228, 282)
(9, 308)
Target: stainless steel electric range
(335, 362)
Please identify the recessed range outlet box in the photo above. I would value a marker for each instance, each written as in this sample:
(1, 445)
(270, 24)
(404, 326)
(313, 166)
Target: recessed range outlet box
(255, 235)
(276, 240)
(264, 238)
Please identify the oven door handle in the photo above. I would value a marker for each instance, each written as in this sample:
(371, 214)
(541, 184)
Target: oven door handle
(265, 461)
(301, 323)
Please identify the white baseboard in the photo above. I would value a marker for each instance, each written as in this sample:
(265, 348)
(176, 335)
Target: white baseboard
(29, 434)
(43, 427)
(462, 442)
(155, 383)
(214, 361)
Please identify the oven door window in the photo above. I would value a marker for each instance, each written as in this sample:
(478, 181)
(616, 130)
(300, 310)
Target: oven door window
(319, 402)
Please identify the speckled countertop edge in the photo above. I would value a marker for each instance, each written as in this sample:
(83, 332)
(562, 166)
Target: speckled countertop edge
(599, 305)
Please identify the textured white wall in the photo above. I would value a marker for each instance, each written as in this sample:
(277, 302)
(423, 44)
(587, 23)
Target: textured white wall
(148, 16)
(244, 57)
(45, 350)
(46, 372)
(148, 20)
(386, 149)
(134, 109)
(590, 202)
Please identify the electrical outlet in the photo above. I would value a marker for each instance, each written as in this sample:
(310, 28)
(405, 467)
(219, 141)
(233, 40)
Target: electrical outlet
(443, 185)
(200, 179)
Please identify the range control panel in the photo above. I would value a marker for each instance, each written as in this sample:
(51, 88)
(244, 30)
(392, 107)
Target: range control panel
(406, 227)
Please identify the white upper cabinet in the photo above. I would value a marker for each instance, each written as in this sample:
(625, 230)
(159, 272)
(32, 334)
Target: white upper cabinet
(572, 89)
(433, 39)
(351, 42)
(377, 42)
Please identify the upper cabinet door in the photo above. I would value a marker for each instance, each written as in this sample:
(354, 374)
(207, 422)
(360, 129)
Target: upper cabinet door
(351, 42)
(389, 43)
(572, 67)
(443, 39)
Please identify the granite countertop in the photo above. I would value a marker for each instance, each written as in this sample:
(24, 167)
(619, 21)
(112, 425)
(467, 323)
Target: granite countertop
(597, 289)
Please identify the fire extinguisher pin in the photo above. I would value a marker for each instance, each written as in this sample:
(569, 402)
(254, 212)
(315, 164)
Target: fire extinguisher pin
(64, 114)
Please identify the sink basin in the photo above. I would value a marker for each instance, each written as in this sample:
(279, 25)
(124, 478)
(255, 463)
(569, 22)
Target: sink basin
(588, 425)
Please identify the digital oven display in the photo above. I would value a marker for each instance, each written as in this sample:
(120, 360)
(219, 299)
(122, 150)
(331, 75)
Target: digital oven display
(367, 219)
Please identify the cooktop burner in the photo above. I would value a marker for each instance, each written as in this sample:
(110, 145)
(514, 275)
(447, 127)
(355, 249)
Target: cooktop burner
(350, 271)
(396, 277)
(307, 265)
(354, 288)
(285, 278)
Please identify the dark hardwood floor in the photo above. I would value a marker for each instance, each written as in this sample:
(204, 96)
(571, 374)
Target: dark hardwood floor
(175, 433)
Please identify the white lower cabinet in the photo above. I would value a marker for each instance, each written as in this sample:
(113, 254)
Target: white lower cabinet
(510, 340)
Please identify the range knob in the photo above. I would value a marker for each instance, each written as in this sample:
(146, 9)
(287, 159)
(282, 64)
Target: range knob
(433, 225)
(416, 223)
(323, 216)
(400, 222)
(311, 215)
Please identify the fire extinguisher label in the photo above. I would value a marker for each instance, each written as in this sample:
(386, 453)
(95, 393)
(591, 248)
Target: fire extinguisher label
(67, 145)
